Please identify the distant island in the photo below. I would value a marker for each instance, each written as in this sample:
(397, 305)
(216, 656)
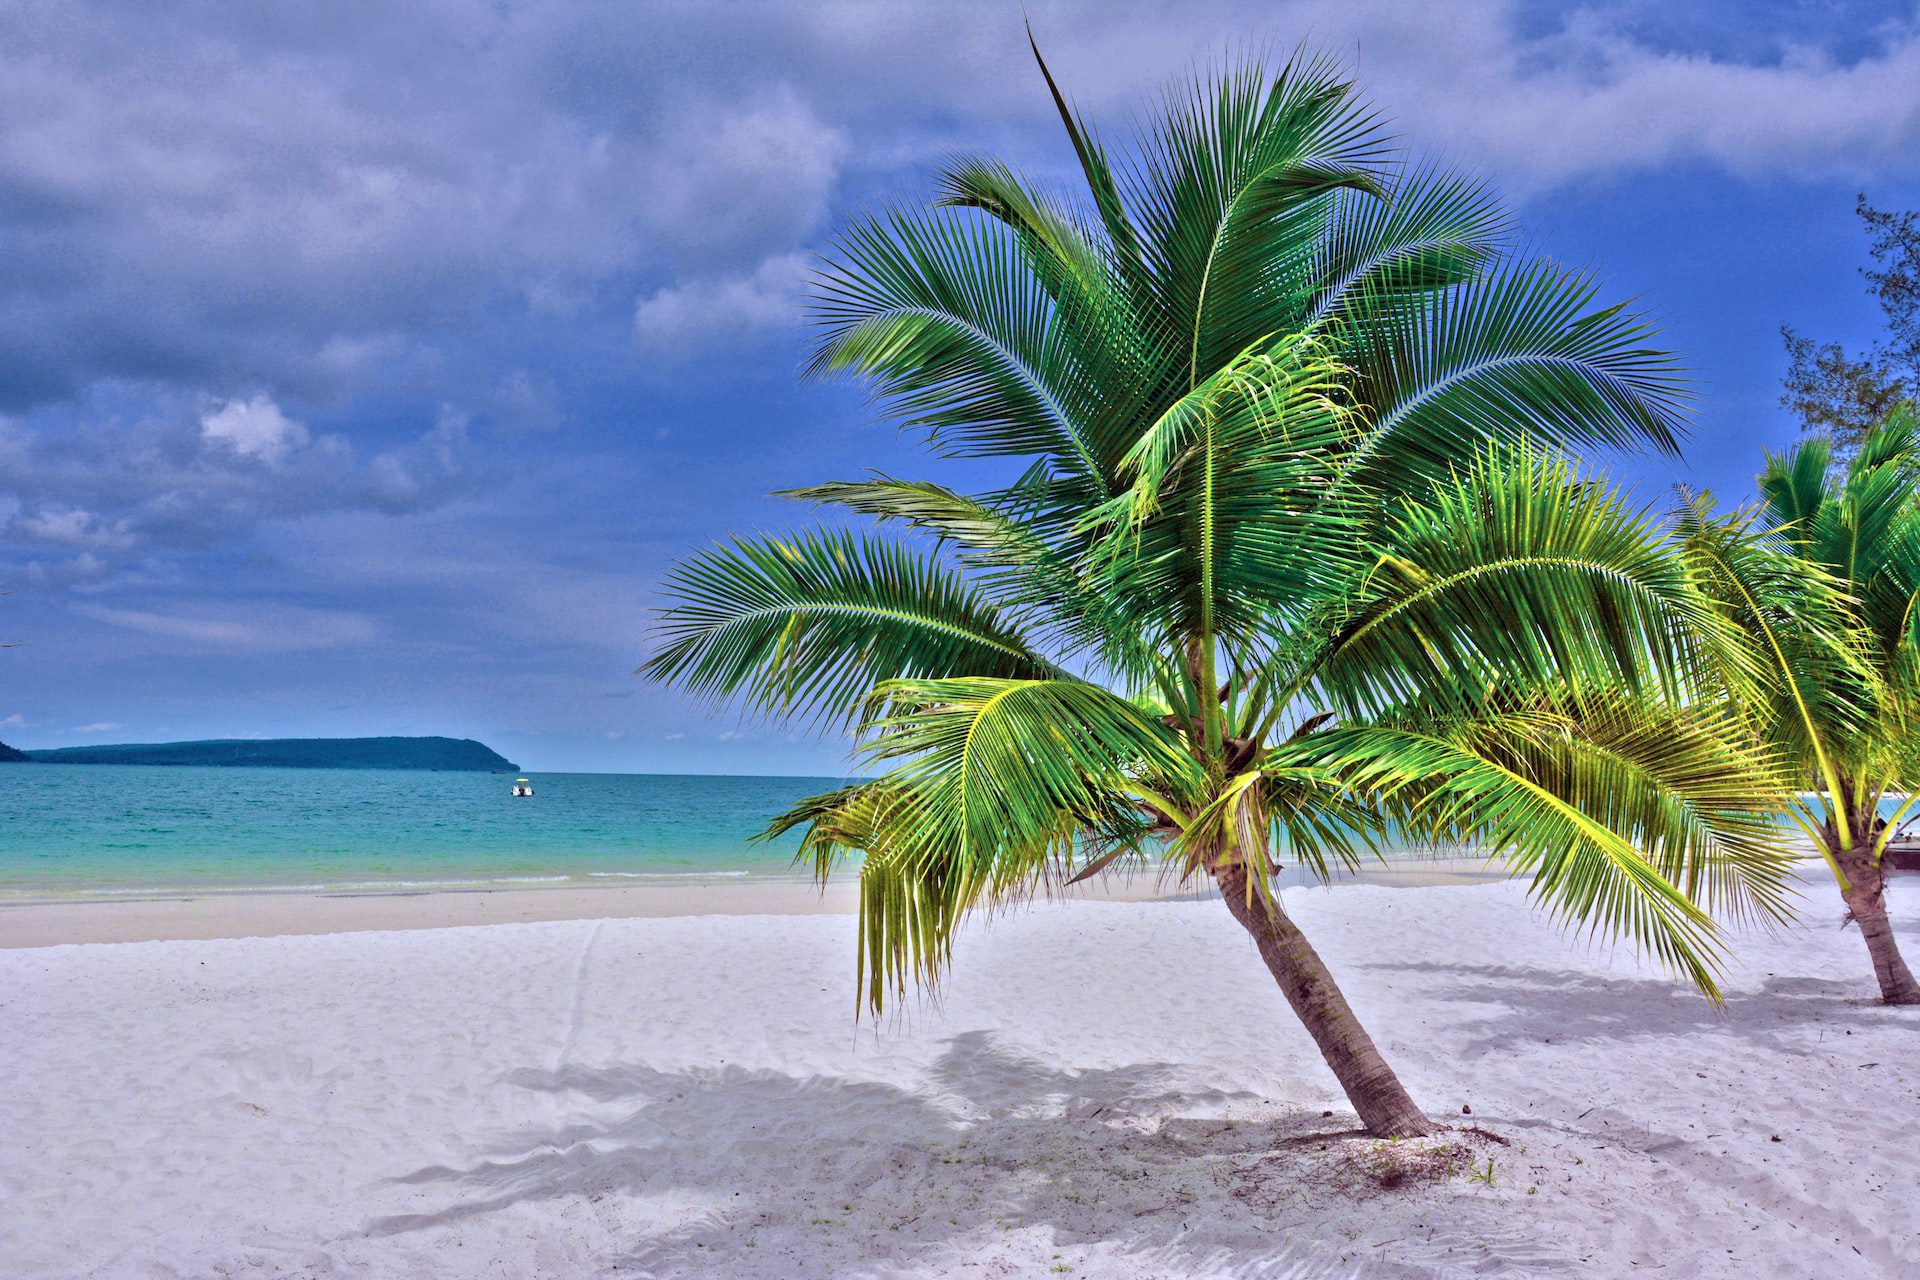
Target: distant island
(285, 753)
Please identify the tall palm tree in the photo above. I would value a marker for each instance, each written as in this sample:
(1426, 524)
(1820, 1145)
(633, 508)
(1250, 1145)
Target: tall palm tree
(1282, 564)
(1825, 579)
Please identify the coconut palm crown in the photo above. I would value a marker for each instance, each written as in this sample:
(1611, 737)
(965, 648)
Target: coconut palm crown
(1285, 562)
(1824, 576)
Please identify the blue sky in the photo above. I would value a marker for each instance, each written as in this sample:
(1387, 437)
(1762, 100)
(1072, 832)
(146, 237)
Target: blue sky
(362, 367)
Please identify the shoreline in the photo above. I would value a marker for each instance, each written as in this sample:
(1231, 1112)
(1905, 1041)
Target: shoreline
(207, 914)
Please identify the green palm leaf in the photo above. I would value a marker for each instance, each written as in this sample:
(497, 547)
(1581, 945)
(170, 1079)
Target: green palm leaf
(1233, 188)
(813, 622)
(1431, 231)
(1518, 571)
(940, 313)
(1520, 353)
(1469, 786)
(994, 785)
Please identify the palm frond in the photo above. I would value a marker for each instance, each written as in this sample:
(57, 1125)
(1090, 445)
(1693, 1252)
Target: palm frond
(1518, 571)
(1817, 689)
(1122, 238)
(1688, 785)
(943, 315)
(1109, 349)
(811, 623)
(1520, 353)
(1233, 186)
(993, 782)
(1431, 230)
(1470, 786)
(1222, 523)
(1030, 572)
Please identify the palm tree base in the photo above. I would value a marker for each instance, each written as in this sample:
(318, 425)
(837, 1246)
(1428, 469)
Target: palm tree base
(1866, 896)
(1381, 1101)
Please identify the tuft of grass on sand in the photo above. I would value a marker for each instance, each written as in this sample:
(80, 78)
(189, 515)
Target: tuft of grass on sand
(1353, 1165)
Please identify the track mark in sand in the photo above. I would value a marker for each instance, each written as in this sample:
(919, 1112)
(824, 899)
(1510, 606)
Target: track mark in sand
(579, 996)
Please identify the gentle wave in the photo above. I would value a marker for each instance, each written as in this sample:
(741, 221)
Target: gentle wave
(666, 875)
(154, 890)
(338, 886)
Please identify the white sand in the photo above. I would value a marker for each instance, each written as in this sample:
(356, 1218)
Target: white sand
(46, 921)
(1110, 1089)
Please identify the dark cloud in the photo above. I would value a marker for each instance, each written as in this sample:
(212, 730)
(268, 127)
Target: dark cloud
(79, 504)
(223, 196)
(204, 202)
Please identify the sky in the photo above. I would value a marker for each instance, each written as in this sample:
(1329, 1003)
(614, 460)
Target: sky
(363, 367)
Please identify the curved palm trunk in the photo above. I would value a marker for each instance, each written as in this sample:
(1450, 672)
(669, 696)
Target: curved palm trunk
(1377, 1095)
(1866, 896)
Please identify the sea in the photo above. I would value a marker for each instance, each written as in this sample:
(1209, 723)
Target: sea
(93, 832)
(80, 832)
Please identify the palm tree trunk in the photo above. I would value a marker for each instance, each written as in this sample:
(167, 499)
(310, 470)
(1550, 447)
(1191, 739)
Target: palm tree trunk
(1374, 1090)
(1866, 896)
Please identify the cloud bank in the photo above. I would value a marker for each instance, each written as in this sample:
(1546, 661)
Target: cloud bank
(298, 199)
(87, 501)
(410, 341)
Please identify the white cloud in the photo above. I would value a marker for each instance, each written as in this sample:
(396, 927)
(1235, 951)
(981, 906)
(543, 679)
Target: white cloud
(244, 628)
(336, 191)
(522, 401)
(1590, 99)
(83, 502)
(255, 429)
(680, 319)
(72, 527)
(731, 735)
(405, 479)
(98, 726)
(13, 721)
(744, 181)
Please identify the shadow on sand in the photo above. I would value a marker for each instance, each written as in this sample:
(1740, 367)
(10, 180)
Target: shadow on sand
(729, 1172)
(1533, 1006)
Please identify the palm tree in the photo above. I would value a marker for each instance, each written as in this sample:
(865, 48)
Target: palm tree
(1825, 579)
(1280, 562)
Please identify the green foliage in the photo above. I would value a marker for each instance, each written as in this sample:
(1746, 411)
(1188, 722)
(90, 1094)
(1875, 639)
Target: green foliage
(1515, 567)
(1290, 566)
(1824, 579)
(813, 621)
(1840, 397)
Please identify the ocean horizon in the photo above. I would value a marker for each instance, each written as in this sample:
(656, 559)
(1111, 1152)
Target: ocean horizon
(132, 831)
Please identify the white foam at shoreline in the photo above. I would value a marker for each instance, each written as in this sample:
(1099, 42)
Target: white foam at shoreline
(136, 892)
(668, 875)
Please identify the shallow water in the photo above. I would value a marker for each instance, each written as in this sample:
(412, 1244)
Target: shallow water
(119, 831)
(114, 831)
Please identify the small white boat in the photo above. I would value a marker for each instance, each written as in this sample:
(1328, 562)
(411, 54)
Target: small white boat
(521, 787)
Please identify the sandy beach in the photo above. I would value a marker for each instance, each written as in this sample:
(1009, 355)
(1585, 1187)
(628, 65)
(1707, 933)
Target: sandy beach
(52, 920)
(1109, 1089)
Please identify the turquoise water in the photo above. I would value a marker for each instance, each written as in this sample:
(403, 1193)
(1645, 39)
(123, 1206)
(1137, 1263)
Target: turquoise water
(90, 831)
(105, 831)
